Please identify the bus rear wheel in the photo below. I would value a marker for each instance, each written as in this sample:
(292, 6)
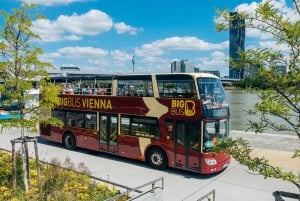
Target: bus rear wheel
(69, 141)
(157, 158)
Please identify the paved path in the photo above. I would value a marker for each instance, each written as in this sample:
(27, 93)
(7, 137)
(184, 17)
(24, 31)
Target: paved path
(278, 149)
(236, 183)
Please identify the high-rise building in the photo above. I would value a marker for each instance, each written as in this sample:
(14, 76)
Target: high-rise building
(175, 67)
(236, 43)
(182, 66)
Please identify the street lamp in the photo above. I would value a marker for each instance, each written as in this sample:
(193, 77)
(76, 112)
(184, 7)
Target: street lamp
(133, 62)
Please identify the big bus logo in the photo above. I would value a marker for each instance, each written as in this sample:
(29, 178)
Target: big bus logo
(183, 108)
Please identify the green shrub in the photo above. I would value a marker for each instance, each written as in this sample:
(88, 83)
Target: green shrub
(57, 184)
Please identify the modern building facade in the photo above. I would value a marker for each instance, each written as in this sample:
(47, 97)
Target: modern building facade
(236, 43)
(182, 66)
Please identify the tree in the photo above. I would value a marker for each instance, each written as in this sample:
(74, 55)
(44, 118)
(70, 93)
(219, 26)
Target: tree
(20, 66)
(281, 99)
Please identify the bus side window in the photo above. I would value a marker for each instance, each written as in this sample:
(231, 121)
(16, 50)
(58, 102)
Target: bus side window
(125, 125)
(90, 121)
(170, 128)
(180, 133)
(60, 115)
(195, 136)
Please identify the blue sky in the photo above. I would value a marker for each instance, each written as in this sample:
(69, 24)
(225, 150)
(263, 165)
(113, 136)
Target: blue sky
(101, 36)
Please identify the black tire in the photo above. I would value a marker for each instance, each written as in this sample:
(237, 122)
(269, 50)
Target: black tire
(157, 158)
(69, 141)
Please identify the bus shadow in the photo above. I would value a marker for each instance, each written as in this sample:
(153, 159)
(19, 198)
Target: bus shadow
(142, 164)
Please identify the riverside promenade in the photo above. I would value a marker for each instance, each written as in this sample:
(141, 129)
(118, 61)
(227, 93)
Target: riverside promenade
(236, 183)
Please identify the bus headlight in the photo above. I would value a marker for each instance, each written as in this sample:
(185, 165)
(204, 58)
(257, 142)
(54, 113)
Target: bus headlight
(210, 161)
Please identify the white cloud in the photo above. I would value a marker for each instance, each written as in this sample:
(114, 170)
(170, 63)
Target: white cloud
(52, 2)
(47, 30)
(73, 27)
(91, 23)
(187, 43)
(286, 11)
(82, 52)
(216, 61)
(121, 28)
(273, 45)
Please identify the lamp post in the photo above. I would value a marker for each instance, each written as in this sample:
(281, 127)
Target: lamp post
(133, 62)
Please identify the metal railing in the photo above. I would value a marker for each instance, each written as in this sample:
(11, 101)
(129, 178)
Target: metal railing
(279, 194)
(211, 196)
(140, 191)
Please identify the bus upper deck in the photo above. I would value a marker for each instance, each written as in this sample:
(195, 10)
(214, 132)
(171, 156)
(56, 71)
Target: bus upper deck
(204, 86)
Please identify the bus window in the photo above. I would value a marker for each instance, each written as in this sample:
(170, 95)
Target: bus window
(113, 129)
(177, 86)
(146, 127)
(140, 126)
(180, 133)
(103, 87)
(125, 125)
(135, 86)
(213, 98)
(213, 131)
(61, 115)
(170, 128)
(195, 136)
(211, 91)
(90, 121)
(74, 119)
(103, 128)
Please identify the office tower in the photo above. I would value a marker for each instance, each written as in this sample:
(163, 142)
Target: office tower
(183, 66)
(175, 67)
(236, 43)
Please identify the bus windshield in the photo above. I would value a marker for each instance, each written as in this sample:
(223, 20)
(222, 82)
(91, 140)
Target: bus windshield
(214, 131)
(213, 98)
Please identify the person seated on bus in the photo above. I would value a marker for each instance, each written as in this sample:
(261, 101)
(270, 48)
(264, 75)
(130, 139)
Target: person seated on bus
(69, 89)
(131, 91)
(87, 90)
(210, 139)
(101, 91)
(77, 89)
(63, 88)
(207, 139)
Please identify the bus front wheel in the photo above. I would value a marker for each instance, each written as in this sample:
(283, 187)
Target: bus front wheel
(157, 158)
(69, 141)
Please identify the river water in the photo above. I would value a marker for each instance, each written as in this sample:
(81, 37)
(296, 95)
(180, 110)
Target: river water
(240, 102)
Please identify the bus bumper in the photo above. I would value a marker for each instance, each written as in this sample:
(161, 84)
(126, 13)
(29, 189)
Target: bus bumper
(213, 163)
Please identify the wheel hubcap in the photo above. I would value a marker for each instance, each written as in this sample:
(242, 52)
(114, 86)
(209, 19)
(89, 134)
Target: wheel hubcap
(156, 158)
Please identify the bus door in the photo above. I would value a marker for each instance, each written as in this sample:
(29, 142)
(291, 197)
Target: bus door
(108, 133)
(187, 144)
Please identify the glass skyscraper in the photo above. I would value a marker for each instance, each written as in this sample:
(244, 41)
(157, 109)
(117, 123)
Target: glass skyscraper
(236, 43)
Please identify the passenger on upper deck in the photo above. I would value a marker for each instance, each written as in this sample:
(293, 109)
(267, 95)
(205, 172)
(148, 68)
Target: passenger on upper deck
(77, 89)
(69, 89)
(87, 90)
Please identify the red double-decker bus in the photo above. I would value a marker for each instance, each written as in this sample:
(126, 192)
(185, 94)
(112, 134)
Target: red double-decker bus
(166, 120)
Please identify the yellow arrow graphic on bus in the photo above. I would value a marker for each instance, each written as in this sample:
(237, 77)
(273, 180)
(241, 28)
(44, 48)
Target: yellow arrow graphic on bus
(156, 109)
